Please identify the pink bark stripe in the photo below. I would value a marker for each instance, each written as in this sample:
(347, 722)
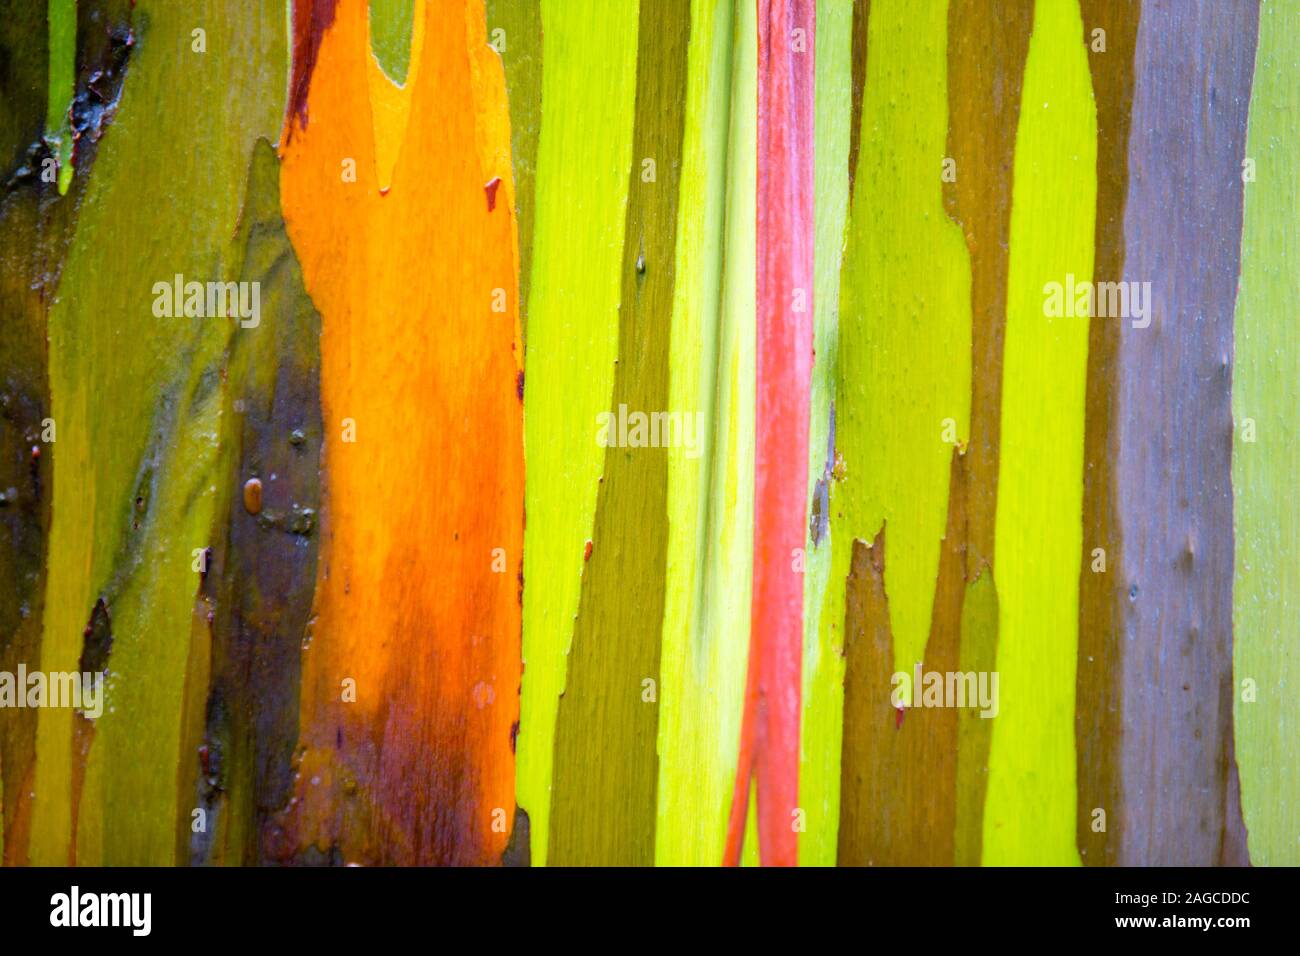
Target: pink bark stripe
(769, 746)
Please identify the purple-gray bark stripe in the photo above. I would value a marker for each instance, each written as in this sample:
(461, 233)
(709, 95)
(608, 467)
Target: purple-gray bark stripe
(1182, 229)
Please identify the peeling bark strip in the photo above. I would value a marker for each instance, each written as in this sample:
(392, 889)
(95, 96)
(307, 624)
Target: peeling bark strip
(138, 474)
(1182, 231)
(410, 675)
(904, 388)
(605, 772)
(260, 570)
(869, 719)
(1098, 705)
(769, 749)
(899, 766)
(986, 65)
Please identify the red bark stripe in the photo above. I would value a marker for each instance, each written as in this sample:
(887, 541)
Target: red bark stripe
(769, 749)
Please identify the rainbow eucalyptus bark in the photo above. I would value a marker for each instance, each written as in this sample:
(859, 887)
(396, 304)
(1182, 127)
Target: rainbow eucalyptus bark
(769, 751)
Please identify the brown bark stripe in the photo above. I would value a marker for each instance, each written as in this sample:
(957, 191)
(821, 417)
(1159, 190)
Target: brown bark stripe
(606, 766)
(987, 49)
(858, 82)
(898, 803)
(1097, 702)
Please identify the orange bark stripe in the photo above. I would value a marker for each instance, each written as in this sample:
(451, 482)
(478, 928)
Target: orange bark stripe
(423, 454)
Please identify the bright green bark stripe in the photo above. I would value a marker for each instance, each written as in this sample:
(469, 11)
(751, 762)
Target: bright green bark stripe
(749, 851)
(584, 156)
(391, 24)
(62, 69)
(905, 325)
(823, 665)
(1029, 813)
(710, 497)
(62, 84)
(1266, 474)
(156, 206)
(606, 769)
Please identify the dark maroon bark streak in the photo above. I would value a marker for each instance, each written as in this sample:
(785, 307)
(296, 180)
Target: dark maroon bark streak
(311, 18)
